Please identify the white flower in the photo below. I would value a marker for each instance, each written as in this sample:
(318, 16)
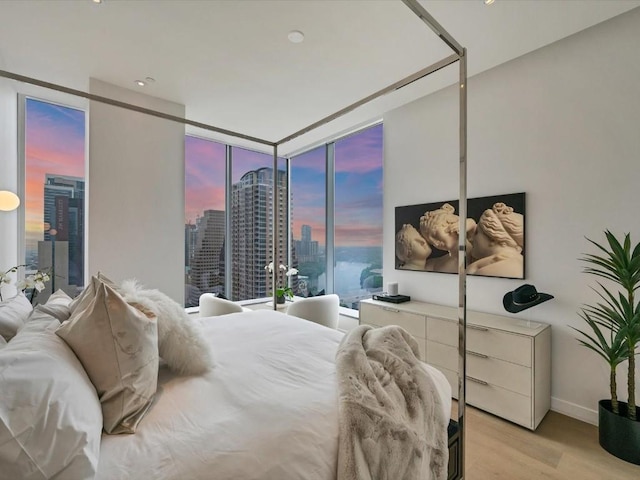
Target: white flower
(283, 267)
(38, 285)
(269, 267)
(292, 271)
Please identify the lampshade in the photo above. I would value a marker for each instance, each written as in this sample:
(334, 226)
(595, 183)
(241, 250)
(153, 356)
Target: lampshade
(8, 200)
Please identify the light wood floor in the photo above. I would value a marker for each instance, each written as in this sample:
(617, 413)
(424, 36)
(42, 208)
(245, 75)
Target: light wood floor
(562, 448)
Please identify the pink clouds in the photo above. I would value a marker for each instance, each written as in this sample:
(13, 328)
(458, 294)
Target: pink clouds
(205, 165)
(54, 143)
(358, 235)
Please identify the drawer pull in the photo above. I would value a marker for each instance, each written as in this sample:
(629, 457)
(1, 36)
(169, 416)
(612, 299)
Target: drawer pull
(475, 327)
(475, 380)
(481, 355)
(389, 309)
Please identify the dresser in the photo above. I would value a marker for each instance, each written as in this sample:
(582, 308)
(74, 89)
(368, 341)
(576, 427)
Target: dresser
(508, 359)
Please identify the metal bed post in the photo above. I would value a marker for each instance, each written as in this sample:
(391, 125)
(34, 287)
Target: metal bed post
(274, 238)
(462, 264)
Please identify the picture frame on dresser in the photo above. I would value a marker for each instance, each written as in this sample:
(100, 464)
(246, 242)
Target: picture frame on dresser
(426, 236)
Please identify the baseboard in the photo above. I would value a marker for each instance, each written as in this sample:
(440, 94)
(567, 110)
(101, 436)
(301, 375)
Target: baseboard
(575, 411)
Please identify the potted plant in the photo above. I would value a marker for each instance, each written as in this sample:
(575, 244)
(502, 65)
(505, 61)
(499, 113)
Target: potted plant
(614, 334)
(283, 291)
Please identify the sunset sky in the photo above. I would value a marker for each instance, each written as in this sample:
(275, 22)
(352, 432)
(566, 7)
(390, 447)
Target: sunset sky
(358, 185)
(55, 143)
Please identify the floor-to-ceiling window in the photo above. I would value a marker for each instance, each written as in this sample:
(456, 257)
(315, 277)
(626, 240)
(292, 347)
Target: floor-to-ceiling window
(54, 173)
(355, 230)
(358, 216)
(204, 229)
(308, 220)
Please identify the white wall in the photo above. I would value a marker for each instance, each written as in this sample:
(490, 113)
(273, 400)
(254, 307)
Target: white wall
(136, 191)
(8, 176)
(561, 124)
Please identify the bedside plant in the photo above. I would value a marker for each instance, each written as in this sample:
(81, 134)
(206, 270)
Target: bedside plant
(614, 334)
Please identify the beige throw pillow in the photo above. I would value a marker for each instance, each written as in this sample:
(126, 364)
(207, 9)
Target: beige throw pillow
(89, 291)
(117, 345)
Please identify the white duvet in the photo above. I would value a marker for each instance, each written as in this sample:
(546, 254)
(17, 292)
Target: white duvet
(268, 410)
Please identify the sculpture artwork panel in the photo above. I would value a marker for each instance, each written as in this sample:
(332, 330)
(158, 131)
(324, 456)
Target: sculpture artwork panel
(427, 236)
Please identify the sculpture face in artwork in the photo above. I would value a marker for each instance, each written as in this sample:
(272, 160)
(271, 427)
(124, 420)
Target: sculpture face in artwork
(498, 243)
(411, 248)
(441, 228)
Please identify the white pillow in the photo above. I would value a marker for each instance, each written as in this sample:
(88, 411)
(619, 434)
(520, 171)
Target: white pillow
(13, 313)
(59, 297)
(180, 343)
(50, 417)
(117, 345)
(57, 306)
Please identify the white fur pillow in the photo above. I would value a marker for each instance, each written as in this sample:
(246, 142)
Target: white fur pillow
(180, 344)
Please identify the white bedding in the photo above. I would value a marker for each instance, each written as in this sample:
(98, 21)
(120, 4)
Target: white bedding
(267, 411)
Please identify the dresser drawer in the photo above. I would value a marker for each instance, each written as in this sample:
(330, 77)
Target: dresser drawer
(411, 322)
(442, 355)
(509, 376)
(442, 331)
(501, 402)
(498, 344)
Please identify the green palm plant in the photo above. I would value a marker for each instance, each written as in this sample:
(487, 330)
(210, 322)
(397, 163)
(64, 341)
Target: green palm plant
(617, 312)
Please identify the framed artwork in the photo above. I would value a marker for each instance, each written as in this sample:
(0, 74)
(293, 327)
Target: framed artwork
(427, 236)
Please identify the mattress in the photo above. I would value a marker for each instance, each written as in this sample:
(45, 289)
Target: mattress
(268, 410)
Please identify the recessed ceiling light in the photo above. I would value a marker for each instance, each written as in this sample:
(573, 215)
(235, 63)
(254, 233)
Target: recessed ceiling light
(489, 2)
(140, 83)
(150, 79)
(97, 1)
(295, 36)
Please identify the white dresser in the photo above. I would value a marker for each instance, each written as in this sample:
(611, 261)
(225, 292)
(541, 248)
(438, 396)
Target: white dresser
(508, 359)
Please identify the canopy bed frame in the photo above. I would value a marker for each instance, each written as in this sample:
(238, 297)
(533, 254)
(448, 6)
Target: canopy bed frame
(460, 56)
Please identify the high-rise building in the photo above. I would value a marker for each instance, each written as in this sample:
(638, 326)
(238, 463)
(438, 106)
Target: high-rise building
(306, 249)
(252, 231)
(206, 242)
(64, 226)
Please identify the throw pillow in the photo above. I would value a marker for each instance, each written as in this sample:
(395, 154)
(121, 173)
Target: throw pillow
(50, 418)
(59, 297)
(118, 346)
(89, 291)
(13, 313)
(180, 343)
(57, 306)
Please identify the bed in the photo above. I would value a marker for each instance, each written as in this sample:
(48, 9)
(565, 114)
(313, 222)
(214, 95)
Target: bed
(267, 410)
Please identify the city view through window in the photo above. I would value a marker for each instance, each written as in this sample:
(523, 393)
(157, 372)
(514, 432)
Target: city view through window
(55, 207)
(357, 222)
(54, 195)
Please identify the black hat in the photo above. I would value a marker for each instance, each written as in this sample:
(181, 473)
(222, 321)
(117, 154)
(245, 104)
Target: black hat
(523, 297)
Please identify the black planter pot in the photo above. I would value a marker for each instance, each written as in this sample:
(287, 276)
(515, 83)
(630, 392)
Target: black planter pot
(618, 435)
(280, 299)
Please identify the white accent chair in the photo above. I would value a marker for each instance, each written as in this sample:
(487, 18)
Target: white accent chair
(211, 306)
(323, 309)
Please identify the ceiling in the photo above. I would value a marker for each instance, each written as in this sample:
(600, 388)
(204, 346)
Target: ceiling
(231, 65)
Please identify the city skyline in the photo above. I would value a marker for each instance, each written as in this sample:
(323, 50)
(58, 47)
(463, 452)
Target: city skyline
(358, 185)
(54, 144)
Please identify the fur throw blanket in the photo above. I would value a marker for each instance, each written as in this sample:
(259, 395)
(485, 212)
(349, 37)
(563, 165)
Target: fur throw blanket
(392, 425)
